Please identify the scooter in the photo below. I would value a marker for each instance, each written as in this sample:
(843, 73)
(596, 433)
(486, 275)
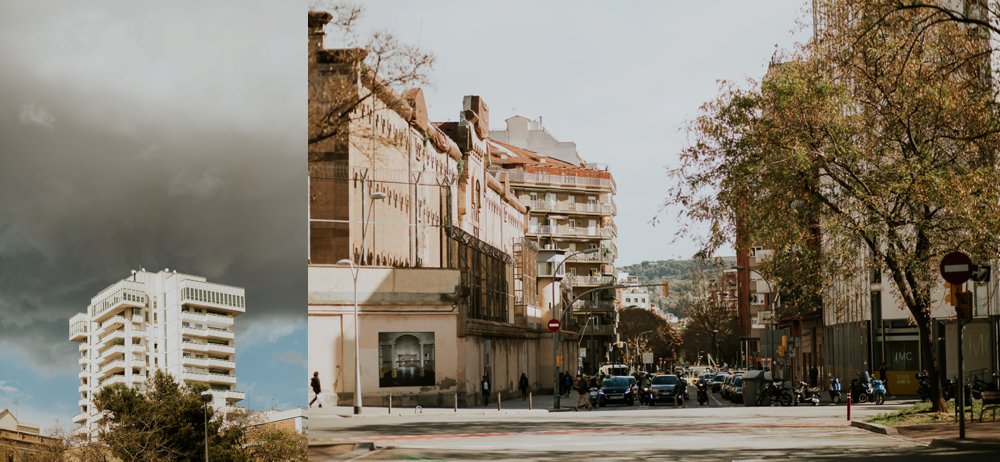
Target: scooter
(806, 394)
(879, 391)
(835, 391)
(702, 393)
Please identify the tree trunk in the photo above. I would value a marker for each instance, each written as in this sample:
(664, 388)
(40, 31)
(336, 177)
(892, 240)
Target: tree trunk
(933, 370)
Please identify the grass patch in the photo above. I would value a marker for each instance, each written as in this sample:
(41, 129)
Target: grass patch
(920, 413)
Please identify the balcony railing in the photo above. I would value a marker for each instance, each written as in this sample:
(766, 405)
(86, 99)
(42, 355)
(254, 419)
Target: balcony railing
(212, 295)
(110, 323)
(80, 418)
(567, 231)
(603, 256)
(118, 295)
(586, 281)
(572, 207)
(588, 305)
(517, 176)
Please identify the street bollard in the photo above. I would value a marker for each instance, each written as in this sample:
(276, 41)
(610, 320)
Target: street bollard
(498, 401)
(529, 402)
(848, 406)
(456, 402)
(390, 403)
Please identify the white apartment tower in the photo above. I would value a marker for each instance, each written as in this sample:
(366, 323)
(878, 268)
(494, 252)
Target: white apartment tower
(169, 321)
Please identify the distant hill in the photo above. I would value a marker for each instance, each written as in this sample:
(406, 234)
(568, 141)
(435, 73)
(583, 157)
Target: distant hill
(678, 272)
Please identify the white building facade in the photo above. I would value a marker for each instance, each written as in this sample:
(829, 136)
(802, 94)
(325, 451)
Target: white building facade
(178, 323)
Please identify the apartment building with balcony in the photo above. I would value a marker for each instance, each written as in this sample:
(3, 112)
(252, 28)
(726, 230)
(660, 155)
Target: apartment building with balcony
(174, 322)
(571, 208)
(407, 213)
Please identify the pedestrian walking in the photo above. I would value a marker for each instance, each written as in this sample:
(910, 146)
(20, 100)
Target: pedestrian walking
(883, 374)
(567, 384)
(523, 385)
(583, 396)
(314, 383)
(486, 390)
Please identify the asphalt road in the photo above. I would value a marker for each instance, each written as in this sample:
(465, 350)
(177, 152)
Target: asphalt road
(716, 432)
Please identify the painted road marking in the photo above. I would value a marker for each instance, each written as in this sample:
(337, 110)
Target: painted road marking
(607, 430)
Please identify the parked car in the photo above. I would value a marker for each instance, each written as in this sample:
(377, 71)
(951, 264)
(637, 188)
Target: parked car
(736, 389)
(620, 390)
(664, 386)
(717, 381)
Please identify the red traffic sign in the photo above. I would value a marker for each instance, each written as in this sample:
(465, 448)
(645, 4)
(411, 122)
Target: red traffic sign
(956, 267)
(554, 325)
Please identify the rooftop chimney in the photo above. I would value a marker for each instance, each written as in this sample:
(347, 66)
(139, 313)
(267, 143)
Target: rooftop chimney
(317, 23)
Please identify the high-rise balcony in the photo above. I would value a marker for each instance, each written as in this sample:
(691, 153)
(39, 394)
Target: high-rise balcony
(78, 327)
(562, 181)
(600, 330)
(113, 380)
(113, 352)
(571, 207)
(217, 348)
(230, 396)
(112, 323)
(83, 387)
(589, 281)
(218, 333)
(117, 336)
(221, 363)
(574, 232)
(210, 295)
(605, 255)
(83, 374)
(80, 418)
(206, 377)
(112, 368)
(586, 306)
(120, 295)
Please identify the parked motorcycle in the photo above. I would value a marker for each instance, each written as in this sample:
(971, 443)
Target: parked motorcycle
(924, 387)
(835, 391)
(879, 391)
(862, 390)
(702, 393)
(806, 394)
(775, 392)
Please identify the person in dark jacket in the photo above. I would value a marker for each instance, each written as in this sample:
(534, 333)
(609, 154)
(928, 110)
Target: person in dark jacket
(522, 384)
(583, 393)
(485, 384)
(314, 383)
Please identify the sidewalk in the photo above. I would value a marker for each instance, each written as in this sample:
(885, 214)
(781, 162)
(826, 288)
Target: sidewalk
(540, 404)
(985, 434)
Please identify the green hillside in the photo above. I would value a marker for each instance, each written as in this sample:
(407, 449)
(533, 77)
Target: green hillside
(678, 272)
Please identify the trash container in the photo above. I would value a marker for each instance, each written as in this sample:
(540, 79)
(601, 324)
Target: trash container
(753, 382)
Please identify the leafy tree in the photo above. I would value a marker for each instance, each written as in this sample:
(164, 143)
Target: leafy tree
(882, 132)
(710, 320)
(372, 66)
(167, 422)
(649, 331)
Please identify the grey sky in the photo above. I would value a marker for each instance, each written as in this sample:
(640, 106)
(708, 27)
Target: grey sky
(165, 135)
(619, 78)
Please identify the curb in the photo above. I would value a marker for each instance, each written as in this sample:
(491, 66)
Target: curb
(965, 444)
(875, 428)
(439, 413)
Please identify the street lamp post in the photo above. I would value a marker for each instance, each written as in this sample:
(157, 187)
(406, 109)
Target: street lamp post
(206, 397)
(555, 334)
(355, 270)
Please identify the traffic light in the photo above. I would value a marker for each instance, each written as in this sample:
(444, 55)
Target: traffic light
(963, 309)
(666, 288)
(981, 274)
(951, 296)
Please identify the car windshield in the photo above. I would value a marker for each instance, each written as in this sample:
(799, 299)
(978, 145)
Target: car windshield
(616, 382)
(737, 381)
(720, 377)
(664, 380)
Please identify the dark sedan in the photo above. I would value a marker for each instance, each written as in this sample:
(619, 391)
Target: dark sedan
(617, 390)
(664, 387)
(717, 382)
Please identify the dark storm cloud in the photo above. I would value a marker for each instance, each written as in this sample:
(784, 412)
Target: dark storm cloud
(170, 137)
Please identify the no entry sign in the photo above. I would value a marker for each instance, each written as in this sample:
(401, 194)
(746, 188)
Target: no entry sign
(956, 267)
(554, 325)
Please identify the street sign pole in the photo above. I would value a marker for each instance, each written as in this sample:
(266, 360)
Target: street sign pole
(957, 268)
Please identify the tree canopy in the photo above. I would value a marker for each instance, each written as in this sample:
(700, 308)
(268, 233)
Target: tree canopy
(877, 138)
